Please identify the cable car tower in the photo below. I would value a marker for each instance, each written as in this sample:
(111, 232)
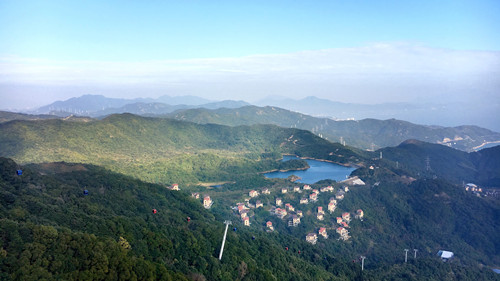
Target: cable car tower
(224, 239)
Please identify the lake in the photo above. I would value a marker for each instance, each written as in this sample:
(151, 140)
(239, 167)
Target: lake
(319, 170)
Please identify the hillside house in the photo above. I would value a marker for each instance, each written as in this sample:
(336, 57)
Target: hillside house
(295, 220)
(207, 202)
(343, 232)
(322, 232)
(278, 202)
(315, 191)
(281, 213)
(346, 188)
(266, 191)
(174, 187)
(284, 190)
(359, 214)
(299, 213)
(323, 189)
(313, 197)
(320, 210)
(244, 214)
(329, 188)
(296, 189)
(331, 207)
(269, 226)
(307, 187)
(340, 195)
(320, 217)
(346, 216)
(332, 200)
(195, 195)
(289, 207)
(311, 238)
(258, 204)
(242, 207)
(304, 201)
(253, 193)
(339, 220)
(344, 224)
(246, 221)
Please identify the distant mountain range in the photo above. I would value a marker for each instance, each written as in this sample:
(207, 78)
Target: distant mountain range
(365, 134)
(369, 134)
(480, 113)
(100, 106)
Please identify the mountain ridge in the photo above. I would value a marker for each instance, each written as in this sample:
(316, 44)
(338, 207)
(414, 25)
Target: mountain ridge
(357, 133)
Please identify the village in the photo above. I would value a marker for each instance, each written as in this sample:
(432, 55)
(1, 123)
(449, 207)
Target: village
(279, 202)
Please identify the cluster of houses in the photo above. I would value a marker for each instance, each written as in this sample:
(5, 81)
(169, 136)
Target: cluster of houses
(343, 222)
(473, 188)
(287, 210)
(312, 237)
(207, 202)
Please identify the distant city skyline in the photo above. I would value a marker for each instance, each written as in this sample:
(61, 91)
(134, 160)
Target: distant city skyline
(347, 51)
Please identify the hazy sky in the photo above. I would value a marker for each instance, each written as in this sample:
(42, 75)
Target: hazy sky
(350, 51)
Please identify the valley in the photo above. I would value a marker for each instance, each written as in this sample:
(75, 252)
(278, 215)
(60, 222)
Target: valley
(127, 160)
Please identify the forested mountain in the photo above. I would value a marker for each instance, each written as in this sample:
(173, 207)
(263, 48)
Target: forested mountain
(165, 150)
(364, 134)
(482, 167)
(6, 116)
(50, 229)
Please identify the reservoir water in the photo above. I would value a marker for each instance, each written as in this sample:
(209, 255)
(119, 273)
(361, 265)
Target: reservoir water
(318, 170)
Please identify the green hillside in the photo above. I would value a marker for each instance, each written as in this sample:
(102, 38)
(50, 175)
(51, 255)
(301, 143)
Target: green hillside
(50, 230)
(364, 134)
(426, 159)
(165, 150)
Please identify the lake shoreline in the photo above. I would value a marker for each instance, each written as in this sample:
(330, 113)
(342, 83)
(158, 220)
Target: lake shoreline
(319, 169)
(350, 165)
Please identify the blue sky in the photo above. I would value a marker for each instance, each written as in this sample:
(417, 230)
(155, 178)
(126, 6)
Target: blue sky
(249, 49)
(155, 30)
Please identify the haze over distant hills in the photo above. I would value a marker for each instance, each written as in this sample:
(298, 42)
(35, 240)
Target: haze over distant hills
(483, 114)
(98, 105)
(365, 134)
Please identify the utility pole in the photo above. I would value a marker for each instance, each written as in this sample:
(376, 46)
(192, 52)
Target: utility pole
(406, 255)
(415, 256)
(362, 262)
(224, 239)
(380, 154)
